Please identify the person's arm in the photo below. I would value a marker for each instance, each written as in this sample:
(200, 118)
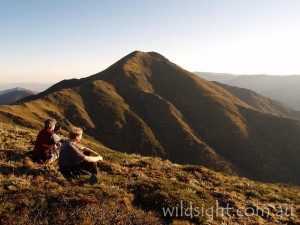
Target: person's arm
(55, 139)
(93, 158)
(90, 151)
(89, 158)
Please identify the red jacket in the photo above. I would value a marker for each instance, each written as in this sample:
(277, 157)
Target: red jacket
(41, 148)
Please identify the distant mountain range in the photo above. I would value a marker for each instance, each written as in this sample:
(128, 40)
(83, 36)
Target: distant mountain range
(260, 102)
(148, 105)
(10, 96)
(282, 88)
(35, 87)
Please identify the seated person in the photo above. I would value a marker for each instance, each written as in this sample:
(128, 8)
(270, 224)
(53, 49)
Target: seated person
(46, 144)
(72, 160)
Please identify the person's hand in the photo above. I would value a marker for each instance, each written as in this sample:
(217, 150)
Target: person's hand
(100, 157)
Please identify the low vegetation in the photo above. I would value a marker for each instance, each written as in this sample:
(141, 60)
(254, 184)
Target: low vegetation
(132, 189)
(147, 105)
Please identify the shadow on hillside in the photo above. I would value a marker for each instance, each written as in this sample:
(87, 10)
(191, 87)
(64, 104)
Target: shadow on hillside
(19, 163)
(22, 170)
(14, 155)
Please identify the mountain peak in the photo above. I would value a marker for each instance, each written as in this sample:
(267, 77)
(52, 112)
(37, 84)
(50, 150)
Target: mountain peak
(141, 54)
(157, 56)
(145, 104)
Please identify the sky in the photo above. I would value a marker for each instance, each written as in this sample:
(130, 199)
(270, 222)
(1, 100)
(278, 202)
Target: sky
(46, 41)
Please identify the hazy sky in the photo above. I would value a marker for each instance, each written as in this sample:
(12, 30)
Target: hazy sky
(51, 40)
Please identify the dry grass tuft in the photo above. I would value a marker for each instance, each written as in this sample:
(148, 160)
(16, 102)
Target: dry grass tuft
(132, 189)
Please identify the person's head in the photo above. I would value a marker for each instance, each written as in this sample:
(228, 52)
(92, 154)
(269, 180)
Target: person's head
(50, 124)
(75, 133)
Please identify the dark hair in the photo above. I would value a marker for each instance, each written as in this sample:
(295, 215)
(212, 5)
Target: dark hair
(49, 123)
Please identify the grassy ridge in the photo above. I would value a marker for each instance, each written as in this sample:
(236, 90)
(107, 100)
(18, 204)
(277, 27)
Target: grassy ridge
(132, 189)
(146, 104)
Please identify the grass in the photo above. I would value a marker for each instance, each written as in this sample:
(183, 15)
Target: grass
(148, 105)
(132, 189)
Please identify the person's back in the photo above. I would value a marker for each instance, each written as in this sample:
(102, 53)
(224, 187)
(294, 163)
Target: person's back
(45, 144)
(70, 154)
(41, 150)
(75, 159)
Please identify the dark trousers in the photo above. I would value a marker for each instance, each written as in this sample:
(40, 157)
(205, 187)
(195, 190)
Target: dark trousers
(83, 168)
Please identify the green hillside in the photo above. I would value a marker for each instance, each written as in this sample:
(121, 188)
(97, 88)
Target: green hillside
(132, 189)
(148, 105)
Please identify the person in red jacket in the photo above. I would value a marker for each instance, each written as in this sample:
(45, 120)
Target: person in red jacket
(45, 148)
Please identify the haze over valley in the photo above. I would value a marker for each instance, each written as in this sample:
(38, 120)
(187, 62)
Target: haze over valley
(282, 88)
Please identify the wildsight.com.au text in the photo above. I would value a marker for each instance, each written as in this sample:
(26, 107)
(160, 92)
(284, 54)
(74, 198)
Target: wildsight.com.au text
(184, 209)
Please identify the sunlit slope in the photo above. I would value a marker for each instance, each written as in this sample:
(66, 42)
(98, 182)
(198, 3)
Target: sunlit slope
(145, 103)
(132, 189)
